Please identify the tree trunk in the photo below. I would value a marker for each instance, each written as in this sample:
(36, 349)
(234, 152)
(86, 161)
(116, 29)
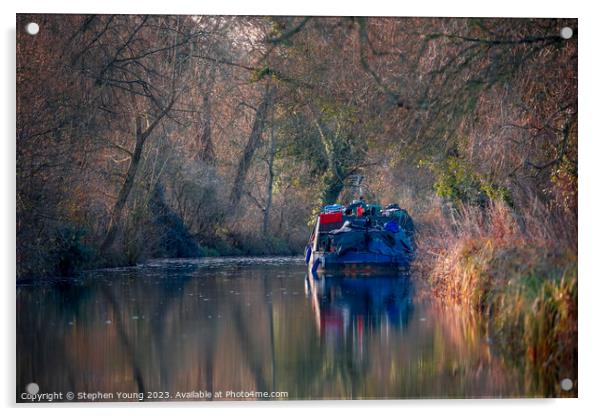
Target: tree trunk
(333, 180)
(206, 153)
(332, 189)
(128, 184)
(126, 188)
(268, 204)
(252, 145)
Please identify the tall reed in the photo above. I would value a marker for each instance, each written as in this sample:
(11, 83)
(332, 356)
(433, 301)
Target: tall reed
(519, 270)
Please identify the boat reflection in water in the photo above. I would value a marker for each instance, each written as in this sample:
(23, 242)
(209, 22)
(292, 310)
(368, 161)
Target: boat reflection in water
(347, 307)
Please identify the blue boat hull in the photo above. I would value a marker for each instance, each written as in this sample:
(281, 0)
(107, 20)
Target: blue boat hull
(355, 262)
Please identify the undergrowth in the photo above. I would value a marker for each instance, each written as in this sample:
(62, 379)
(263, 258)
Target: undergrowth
(519, 270)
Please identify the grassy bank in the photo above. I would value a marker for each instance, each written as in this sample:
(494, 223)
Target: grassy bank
(520, 273)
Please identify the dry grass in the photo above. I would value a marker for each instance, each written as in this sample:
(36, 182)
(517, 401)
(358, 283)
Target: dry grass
(520, 272)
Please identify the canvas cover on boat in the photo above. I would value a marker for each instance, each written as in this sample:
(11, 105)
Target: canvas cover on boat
(406, 223)
(347, 238)
(373, 240)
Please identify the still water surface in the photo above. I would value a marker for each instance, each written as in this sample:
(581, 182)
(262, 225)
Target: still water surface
(241, 325)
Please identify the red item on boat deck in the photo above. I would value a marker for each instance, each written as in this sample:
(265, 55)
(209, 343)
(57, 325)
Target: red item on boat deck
(331, 218)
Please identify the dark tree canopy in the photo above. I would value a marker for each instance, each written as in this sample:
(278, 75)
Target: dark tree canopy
(248, 124)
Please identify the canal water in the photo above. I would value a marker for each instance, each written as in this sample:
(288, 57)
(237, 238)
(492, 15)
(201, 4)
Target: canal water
(248, 328)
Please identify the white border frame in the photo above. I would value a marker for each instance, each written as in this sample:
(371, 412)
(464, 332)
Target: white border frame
(589, 194)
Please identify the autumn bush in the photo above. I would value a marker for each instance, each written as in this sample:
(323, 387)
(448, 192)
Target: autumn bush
(519, 270)
(70, 253)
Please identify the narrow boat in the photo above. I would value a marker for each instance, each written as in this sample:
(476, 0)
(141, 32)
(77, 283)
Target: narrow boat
(360, 239)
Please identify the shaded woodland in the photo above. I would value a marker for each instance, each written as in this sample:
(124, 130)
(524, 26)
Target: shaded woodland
(183, 136)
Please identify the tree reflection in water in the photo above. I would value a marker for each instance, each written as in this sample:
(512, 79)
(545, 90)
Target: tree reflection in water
(197, 325)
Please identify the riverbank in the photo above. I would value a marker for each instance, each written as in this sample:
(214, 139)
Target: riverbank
(72, 252)
(521, 277)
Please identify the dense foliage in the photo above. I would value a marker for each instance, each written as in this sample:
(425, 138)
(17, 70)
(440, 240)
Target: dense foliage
(238, 127)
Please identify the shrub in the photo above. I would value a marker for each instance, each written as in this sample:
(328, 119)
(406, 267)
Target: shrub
(69, 253)
(456, 181)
